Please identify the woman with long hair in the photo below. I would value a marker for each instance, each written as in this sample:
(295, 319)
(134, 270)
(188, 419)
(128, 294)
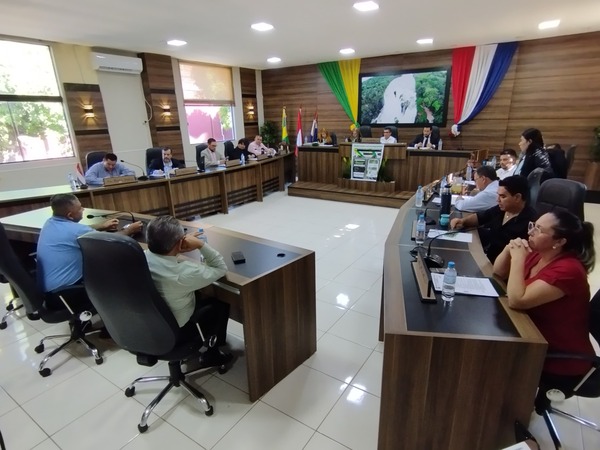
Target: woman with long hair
(534, 154)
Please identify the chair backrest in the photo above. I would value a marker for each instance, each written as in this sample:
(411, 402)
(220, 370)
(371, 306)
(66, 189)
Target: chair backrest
(558, 161)
(534, 180)
(365, 131)
(92, 158)
(435, 132)
(595, 317)
(151, 154)
(394, 131)
(333, 137)
(557, 193)
(570, 155)
(199, 157)
(22, 282)
(229, 147)
(132, 309)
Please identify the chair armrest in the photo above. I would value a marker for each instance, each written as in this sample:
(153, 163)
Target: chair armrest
(595, 360)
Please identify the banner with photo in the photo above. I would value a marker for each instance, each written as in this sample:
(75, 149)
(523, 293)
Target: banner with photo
(366, 160)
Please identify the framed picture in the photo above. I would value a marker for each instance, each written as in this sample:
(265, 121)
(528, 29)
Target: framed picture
(409, 98)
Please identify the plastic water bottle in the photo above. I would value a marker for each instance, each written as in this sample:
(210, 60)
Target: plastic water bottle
(439, 145)
(242, 159)
(469, 175)
(493, 162)
(204, 239)
(419, 197)
(421, 229)
(72, 181)
(449, 283)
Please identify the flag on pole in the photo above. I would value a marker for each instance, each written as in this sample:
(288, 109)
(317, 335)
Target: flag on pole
(298, 131)
(79, 173)
(284, 134)
(314, 130)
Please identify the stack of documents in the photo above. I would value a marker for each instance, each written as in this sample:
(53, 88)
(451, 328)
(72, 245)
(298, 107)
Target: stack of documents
(467, 285)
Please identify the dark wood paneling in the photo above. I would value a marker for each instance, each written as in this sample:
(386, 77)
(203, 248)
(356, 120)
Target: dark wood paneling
(248, 81)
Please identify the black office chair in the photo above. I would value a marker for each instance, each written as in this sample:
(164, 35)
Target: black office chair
(152, 154)
(557, 193)
(589, 386)
(333, 137)
(13, 306)
(534, 180)
(229, 147)
(394, 131)
(74, 312)
(570, 155)
(134, 313)
(199, 157)
(92, 158)
(558, 160)
(365, 131)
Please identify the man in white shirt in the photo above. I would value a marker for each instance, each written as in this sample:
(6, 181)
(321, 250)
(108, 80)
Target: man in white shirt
(256, 147)
(387, 137)
(211, 156)
(487, 183)
(508, 158)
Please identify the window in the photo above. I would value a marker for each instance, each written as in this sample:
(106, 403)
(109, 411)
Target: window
(32, 116)
(208, 99)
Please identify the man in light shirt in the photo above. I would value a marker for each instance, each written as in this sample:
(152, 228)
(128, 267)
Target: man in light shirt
(508, 159)
(256, 147)
(211, 156)
(108, 167)
(387, 137)
(487, 184)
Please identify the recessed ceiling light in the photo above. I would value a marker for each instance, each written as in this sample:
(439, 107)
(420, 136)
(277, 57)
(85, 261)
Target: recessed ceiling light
(549, 24)
(366, 6)
(425, 41)
(261, 26)
(274, 59)
(347, 51)
(176, 42)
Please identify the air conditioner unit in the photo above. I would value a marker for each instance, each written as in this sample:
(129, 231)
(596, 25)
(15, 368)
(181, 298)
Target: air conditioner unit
(116, 63)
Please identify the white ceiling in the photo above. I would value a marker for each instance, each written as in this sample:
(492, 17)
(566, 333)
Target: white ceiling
(306, 31)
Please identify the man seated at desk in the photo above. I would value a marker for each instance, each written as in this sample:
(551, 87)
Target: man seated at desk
(166, 162)
(59, 259)
(426, 140)
(178, 281)
(387, 137)
(509, 219)
(508, 164)
(108, 167)
(487, 185)
(256, 147)
(238, 151)
(212, 157)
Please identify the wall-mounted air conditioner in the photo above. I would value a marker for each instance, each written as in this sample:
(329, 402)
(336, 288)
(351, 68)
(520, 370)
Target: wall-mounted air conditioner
(116, 63)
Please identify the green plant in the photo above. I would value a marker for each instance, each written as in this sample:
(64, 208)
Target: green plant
(270, 133)
(595, 150)
(346, 167)
(382, 175)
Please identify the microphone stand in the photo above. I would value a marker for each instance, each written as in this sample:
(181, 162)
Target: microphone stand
(107, 215)
(144, 177)
(433, 260)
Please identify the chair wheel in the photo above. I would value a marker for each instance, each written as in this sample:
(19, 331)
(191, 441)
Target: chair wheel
(130, 391)
(210, 411)
(45, 372)
(3, 325)
(39, 348)
(99, 361)
(142, 429)
(222, 370)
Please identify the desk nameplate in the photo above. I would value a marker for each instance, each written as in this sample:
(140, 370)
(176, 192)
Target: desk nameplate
(113, 181)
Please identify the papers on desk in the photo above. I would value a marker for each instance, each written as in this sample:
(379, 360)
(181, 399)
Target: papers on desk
(457, 236)
(467, 285)
(438, 200)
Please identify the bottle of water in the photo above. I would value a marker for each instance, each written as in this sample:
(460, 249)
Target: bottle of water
(449, 283)
(167, 173)
(439, 144)
(419, 197)
(493, 162)
(72, 181)
(242, 159)
(421, 229)
(469, 175)
(203, 238)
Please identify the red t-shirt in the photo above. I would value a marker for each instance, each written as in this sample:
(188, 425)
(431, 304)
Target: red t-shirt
(564, 323)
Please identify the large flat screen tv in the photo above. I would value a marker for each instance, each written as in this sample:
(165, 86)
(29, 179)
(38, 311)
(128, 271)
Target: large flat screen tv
(408, 98)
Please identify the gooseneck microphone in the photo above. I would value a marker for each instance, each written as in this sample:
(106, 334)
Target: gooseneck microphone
(144, 177)
(107, 215)
(432, 260)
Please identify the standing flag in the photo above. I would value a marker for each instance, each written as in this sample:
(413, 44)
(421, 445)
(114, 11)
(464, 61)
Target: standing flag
(284, 134)
(79, 174)
(298, 131)
(314, 130)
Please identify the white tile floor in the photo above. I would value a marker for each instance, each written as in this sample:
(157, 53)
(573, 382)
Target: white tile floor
(331, 402)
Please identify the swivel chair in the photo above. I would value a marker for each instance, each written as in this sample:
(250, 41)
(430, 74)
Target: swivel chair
(152, 154)
(558, 160)
(557, 193)
(229, 147)
(534, 181)
(199, 157)
(589, 386)
(92, 158)
(570, 155)
(365, 131)
(37, 305)
(394, 131)
(333, 137)
(136, 316)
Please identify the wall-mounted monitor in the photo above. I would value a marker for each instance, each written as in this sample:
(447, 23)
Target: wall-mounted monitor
(408, 98)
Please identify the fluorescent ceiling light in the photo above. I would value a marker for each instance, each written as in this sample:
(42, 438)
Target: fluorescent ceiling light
(274, 59)
(347, 51)
(425, 41)
(549, 24)
(261, 26)
(366, 6)
(176, 42)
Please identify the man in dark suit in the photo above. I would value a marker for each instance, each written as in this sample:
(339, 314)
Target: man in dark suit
(238, 151)
(166, 160)
(426, 140)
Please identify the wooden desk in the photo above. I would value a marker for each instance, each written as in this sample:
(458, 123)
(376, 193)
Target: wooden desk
(272, 295)
(454, 376)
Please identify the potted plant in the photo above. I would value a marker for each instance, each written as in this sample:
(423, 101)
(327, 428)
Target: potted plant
(270, 133)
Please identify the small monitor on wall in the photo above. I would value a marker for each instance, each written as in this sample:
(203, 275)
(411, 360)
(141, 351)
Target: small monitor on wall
(408, 98)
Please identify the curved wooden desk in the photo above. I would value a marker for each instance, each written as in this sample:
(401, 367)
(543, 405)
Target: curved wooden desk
(454, 376)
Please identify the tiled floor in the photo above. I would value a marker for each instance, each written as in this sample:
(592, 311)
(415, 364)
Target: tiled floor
(331, 402)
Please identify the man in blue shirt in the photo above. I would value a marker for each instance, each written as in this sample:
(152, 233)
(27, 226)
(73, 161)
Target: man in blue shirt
(59, 260)
(108, 167)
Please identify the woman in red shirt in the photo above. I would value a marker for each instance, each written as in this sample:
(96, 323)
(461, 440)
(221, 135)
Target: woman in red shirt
(547, 277)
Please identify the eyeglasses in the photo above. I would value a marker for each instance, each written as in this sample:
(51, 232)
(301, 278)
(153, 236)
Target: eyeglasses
(534, 228)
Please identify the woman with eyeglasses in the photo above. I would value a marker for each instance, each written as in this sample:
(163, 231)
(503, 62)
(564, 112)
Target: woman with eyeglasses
(547, 278)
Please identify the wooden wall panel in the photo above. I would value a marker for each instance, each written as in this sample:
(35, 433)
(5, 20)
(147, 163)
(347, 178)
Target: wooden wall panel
(552, 84)
(248, 81)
